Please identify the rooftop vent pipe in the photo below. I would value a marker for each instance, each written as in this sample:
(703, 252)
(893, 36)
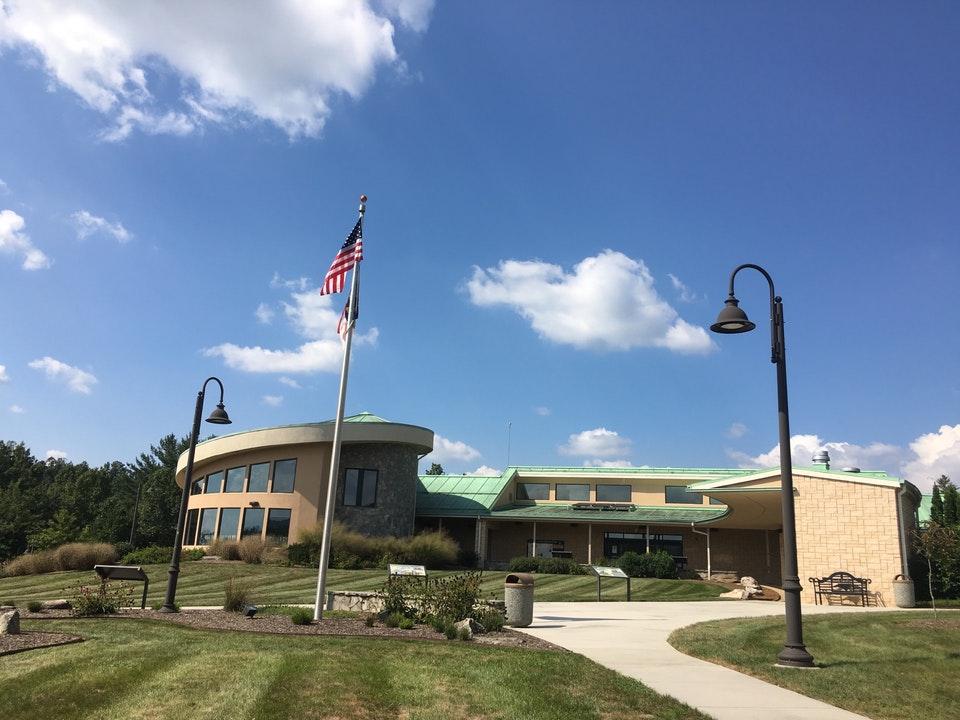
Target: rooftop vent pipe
(851, 469)
(822, 457)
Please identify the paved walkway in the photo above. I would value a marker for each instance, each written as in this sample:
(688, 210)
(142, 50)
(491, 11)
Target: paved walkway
(631, 638)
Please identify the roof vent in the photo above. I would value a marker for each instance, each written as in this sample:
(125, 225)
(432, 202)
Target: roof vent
(822, 457)
(851, 469)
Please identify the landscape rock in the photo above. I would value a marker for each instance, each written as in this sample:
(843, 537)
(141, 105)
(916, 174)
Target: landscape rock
(10, 623)
(751, 587)
(55, 604)
(470, 625)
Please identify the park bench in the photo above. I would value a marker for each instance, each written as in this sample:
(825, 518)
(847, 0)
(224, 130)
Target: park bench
(840, 583)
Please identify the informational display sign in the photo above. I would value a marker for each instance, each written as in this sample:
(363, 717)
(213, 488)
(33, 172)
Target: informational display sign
(408, 570)
(602, 571)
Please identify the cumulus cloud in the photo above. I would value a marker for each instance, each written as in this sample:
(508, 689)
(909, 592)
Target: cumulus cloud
(736, 430)
(285, 63)
(313, 318)
(607, 302)
(272, 400)
(926, 458)
(487, 471)
(76, 380)
(4, 377)
(598, 443)
(597, 462)
(264, 314)
(17, 410)
(445, 451)
(686, 294)
(13, 241)
(88, 224)
(56, 455)
(300, 283)
(290, 382)
(542, 411)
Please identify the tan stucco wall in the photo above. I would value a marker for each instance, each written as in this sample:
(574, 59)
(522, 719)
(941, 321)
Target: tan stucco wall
(643, 491)
(847, 526)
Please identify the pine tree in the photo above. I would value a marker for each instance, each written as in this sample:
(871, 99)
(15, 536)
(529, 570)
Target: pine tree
(435, 469)
(951, 506)
(936, 506)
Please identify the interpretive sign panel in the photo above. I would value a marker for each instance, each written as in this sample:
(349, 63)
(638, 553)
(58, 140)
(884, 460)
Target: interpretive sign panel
(609, 571)
(410, 570)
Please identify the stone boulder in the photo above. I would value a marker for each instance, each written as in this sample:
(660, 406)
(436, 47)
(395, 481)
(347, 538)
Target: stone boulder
(471, 626)
(10, 623)
(55, 605)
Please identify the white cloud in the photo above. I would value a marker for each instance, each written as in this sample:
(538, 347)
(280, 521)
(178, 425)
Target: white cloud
(300, 283)
(313, 317)
(17, 410)
(934, 454)
(445, 450)
(736, 430)
(14, 241)
(56, 455)
(272, 400)
(542, 411)
(264, 314)
(608, 302)
(88, 224)
(486, 471)
(290, 382)
(4, 188)
(4, 377)
(599, 443)
(597, 462)
(77, 380)
(686, 294)
(285, 62)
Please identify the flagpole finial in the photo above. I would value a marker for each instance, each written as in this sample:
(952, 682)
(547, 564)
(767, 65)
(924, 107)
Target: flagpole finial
(363, 204)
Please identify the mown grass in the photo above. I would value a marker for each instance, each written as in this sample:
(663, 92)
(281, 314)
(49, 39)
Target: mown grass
(202, 583)
(887, 666)
(134, 670)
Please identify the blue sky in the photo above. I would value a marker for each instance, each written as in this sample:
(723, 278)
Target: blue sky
(558, 193)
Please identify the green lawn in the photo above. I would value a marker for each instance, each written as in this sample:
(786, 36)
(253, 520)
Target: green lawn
(201, 583)
(128, 670)
(887, 666)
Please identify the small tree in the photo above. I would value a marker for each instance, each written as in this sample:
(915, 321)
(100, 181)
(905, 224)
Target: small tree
(436, 469)
(951, 511)
(940, 547)
(936, 506)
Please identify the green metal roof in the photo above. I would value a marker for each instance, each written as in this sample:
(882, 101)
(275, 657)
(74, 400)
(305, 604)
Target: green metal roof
(465, 495)
(926, 505)
(877, 476)
(639, 514)
(581, 470)
(364, 417)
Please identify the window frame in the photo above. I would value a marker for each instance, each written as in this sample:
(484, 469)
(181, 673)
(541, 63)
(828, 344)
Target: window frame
(572, 485)
(216, 521)
(226, 479)
(206, 482)
(283, 539)
(629, 493)
(683, 488)
(266, 486)
(524, 485)
(263, 522)
(361, 486)
(220, 517)
(193, 521)
(273, 476)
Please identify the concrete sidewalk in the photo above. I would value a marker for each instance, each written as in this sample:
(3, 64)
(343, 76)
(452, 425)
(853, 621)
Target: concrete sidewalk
(631, 638)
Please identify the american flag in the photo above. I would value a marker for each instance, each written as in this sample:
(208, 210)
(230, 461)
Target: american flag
(350, 254)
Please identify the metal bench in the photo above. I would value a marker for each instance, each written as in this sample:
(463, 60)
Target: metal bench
(125, 572)
(840, 583)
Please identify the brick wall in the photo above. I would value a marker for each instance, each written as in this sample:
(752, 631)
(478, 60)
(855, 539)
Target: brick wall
(847, 526)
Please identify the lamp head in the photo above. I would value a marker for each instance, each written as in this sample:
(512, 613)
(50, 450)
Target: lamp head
(219, 416)
(732, 319)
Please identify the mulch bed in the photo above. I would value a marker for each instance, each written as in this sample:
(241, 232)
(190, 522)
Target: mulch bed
(281, 625)
(29, 640)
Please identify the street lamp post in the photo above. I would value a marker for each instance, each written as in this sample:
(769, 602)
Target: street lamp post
(733, 320)
(217, 417)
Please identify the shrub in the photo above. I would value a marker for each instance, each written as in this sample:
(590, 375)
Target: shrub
(406, 623)
(467, 558)
(524, 564)
(192, 554)
(663, 565)
(553, 566)
(463, 634)
(301, 616)
(393, 620)
(450, 631)
(236, 594)
(453, 597)
(35, 606)
(302, 554)
(72, 556)
(251, 550)
(103, 599)
(369, 620)
(636, 565)
(159, 604)
(225, 549)
(432, 549)
(396, 592)
(152, 555)
(491, 619)
(351, 550)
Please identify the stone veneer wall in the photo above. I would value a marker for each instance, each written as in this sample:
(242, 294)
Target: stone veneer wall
(847, 526)
(395, 507)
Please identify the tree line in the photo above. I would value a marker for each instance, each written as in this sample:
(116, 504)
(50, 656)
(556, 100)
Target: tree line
(46, 503)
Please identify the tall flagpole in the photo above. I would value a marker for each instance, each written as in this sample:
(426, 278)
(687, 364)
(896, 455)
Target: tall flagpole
(338, 426)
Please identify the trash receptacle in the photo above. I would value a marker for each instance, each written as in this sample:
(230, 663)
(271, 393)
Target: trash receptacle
(903, 593)
(518, 596)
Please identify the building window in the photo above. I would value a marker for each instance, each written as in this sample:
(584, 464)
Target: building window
(252, 522)
(613, 493)
(278, 525)
(544, 548)
(360, 488)
(235, 478)
(229, 522)
(259, 474)
(616, 544)
(533, 491)
(578, 493)
(197, 487)
(678, 494)
(190, 536)
(284, 472)
(214, 483)
(672, 544)
(208, 523)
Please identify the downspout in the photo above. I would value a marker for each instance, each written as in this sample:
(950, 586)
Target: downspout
(705, 533)
(901, 493)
